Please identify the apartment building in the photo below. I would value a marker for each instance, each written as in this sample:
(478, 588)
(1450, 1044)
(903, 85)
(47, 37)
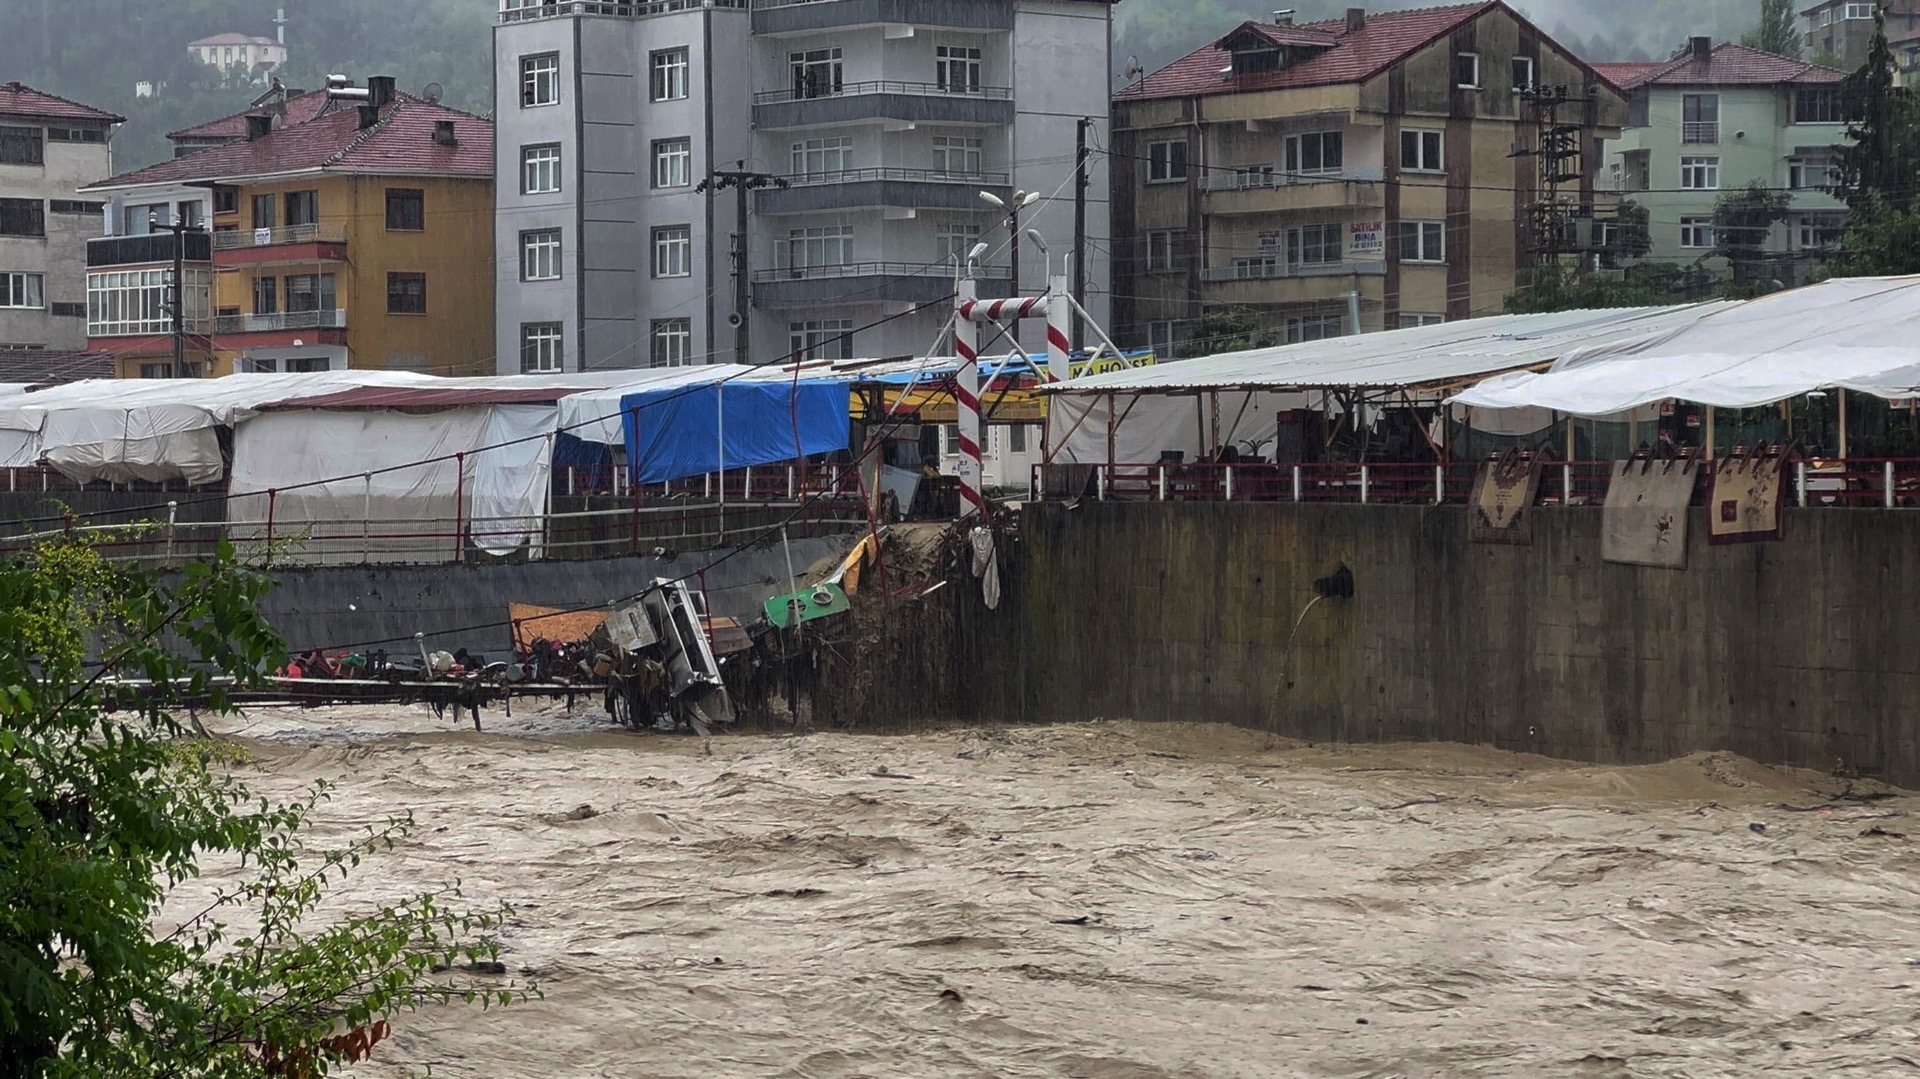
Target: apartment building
(359, 238)
(1719, 118)
(49, 148)
(1301, 172)
(867, 133)
(1841, 31)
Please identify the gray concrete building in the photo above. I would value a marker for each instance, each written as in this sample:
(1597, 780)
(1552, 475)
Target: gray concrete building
(874, 127)
(49, 148)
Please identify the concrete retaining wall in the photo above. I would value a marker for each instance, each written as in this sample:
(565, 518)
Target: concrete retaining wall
(1801, 652)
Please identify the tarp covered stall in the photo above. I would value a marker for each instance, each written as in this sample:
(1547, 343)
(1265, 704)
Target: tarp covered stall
(1851, 333)
(595, 415)
(675, 432)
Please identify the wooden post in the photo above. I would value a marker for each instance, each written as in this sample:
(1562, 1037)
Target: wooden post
(1843, 425)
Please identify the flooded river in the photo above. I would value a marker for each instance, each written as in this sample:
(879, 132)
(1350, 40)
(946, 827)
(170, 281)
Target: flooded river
(1126, 901)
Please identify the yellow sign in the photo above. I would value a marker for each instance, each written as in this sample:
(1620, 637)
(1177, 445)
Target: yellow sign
(934, 404)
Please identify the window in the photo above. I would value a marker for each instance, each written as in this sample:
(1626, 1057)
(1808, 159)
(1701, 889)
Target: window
(1859, 11)
(226, 200)
(121, 303)
(539, 80)
(21, 146)
(1017, 438)
(266, 295)
(1696, 231)
(539, 169)
(828, 245)
(144, 219)
(672, 342)
(821, 157)
(309, 292)
(264, 215)
(67, 310)
(1466, 71)
(1163, 249)
(1257, 268)
(953, 241)
(956, 154)
(406, 294)
(1638, 170)
(74, 206)
(1256, 61)
(540, 347)
(540, 255)
(406, 209)
(1315, 153)
(673, 251)
(22, 290)
(1700, 173)
(668, 71)
(1409, 320)
(1421, 151)
(1167, 161)
(189, 213)
(1314, 327)
(303, 208)
(815, 73)
(1700, 118)
(956, 68)
(1423, 241)
(156, 370)
(1817, 105)
(1810, 172)
(672, 162)
(1314, 245)
(827, 339)
(1640, 108)
(22, 217)
(1160, 337)
(1522, 73)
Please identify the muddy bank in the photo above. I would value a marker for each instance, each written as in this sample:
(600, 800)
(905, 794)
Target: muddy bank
(1125, 901)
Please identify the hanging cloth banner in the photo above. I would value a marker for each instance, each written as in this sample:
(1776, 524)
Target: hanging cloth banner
(1645, 521)
(1503, 494)
(1747, 494)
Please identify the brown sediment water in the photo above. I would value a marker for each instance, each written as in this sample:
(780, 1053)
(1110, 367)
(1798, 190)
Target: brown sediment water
(1117, 900)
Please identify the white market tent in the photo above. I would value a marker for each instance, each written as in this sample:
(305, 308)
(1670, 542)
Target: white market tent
(1860, 334)
(1194, 405)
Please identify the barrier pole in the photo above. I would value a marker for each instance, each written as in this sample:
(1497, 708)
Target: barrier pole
(966, 394)
(1800, 483)
(1887, 473)
(1366, 475)
(459, 506)
(1296, 483)
(273, 496)
(366, 517)
(173, 513)
(1439, 484)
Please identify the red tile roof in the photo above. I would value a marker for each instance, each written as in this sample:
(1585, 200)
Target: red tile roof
(1385, 39)
(401, 143)
(1627, 75)
(19, 100)
(1727, 65)
(302, 105)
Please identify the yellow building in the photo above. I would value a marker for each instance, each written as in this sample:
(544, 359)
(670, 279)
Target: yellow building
(1384, 163)
(359, 238)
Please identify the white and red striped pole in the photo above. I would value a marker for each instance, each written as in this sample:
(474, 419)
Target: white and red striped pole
(966, 395)
(1059, 329)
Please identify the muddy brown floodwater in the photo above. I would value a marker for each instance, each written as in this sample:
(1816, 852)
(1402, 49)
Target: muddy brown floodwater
(1115, 900)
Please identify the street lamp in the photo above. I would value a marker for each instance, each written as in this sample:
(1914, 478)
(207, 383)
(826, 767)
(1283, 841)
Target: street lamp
(1021, 200)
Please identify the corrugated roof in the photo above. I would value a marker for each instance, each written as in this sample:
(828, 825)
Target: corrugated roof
(19, 99)
(1385, 39)
(400, 143)
(361, 398)
(302, 106)
(45, 367)
(1728, 64)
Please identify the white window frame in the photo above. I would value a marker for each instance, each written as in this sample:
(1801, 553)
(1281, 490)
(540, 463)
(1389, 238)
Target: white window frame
(1475, 84)
(672, 162)
(1803, 169)
(832, 244)
(823, 156)
(1294, 153)
(1163, 249)
(1700, 173)
(540, 80)
(1522, 85)
(1696, 232)
(540, 255)
(1302, 328)
(963, 61)
(540, 164)
(670, 342)
(1324, 236)
(672, 251)
(1429, 241)
(1424, 139)
(964, 150)
(1857, 10)
(1700, 131)
(1411, 320)
(805, 63)
(22, 291)
(1161, 164)
(542, 347)
(807, 340)
(954, 239)
(667, 71)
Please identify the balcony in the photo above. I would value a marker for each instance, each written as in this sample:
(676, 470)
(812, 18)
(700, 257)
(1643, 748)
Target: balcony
(1703, 132)
(267, 247)
(883, 99)
(283, 329)
(1268, 282)
(863, 189)
(108, 251)
(1277, 269)
(1255, 190)
(779, 17)
(866, 282)
(534, 10)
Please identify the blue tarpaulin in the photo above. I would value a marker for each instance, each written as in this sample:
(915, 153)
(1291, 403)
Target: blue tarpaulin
(678, 432)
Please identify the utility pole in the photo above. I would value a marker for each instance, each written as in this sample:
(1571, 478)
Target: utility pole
(1081, 182)
(177, 296)
(742, 180)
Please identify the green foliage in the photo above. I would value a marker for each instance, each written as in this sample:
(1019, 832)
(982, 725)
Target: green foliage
(1881, 240)
(1742, 219)
(107, 808)
(1883, 154)
(1554, 287)
(1226, 329)
(1778, 30)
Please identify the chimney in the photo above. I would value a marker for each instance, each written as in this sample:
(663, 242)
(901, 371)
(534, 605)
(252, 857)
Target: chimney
(1700, 46)
(380, 89)
(443, 133)
(258, 126)
(369, 116)
(1356, 18)
(1283, 17)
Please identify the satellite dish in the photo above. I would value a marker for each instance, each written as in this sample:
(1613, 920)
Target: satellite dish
(433, 93)
(1134, 70)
